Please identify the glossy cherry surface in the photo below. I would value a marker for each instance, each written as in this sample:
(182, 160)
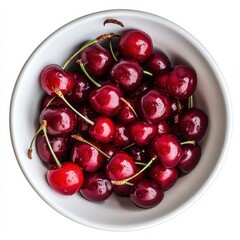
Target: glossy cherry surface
(96, 187)
(53, 78)
(121, 138)
(66, 179)
(146, 194)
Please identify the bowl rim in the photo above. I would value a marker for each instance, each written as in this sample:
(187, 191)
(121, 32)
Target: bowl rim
(221, 82)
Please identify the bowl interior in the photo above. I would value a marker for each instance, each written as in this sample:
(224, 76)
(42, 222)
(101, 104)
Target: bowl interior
(119, 213)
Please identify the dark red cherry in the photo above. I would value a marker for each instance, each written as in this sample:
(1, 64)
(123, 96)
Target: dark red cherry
(60, 120)
(193, 124)
(86, 156)
(168, 149)
(110, 149)
(60, 146)
(163, 127)
(182, 82)
(136, 45)
(81, 89)
(146, 194)
(127, 73)
(190, 158)
(121, 138)
(139, 90)
(160, 81)
(106, 99)
(178, 105)
(48, 100)
(164, 177)
(96, 187)
(142, 133)
(126, 113)
(66, 179)
(97, 60)
(154, 106)
(103, 129)
(53, 78)
(158, 62)
(122, 190)
(138, 153)
(120, 166)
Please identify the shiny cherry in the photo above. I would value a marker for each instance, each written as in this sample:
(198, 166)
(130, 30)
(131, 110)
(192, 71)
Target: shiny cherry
(141, 132)
(193, 123)
(146, 194)
(190, 158)
(66, 179)
(163, 127)
(168, 149)
(48, 100)
(97, 60)
(160, 81)
(86, 156)
(164, 177)
(182, 82)
(154, 106)
(53, 78)
(60, 146)
(106, 99)
(60, 120)
(96, 187)
(136, 45)
(121, 138)
(103, 129)
(127, 73)
(138, 153)
(158, 62)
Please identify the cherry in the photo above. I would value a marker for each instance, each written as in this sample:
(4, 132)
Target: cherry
(193, 124)
(163, 127)
(103, 130)
(146, 194)
(60, 146)
(65, 179)
(121, 137)
(86, 156)
(127, 73)
(110, 149)
(96, 187)
(164, 177)
(120, 166)
(158, 62)
(139, 90)
(160, 81)
(106, 99)
(154, 106)
(122, 190)
(190, 158)
(81, 89)
(138, 153)
(136, 45)
(182, 82)
(141, 132)
(97, 60)
(168, 149)
(53, 78)
(48, 100)
(60, 120)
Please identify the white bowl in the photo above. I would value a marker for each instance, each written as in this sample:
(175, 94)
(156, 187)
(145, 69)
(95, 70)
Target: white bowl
(211, 95)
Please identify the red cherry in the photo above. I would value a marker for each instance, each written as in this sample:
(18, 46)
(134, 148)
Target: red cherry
(53, 78)
(66, 179)
(164, 177)
(142, 133)
(168, 149)
(121, 138)
(103, 130)
(136, 45)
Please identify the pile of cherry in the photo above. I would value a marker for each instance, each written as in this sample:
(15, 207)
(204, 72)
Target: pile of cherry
(122, 122)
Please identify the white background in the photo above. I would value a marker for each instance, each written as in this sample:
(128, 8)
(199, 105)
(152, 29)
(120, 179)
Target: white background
(23, 25)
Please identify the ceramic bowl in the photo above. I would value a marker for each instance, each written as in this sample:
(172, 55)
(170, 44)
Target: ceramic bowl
(211, 95)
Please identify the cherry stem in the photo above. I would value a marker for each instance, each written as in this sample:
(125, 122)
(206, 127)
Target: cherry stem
(190, 102)
(114, 21)
(126, 181)
(42, 126)
(128, 146)
(81, 139)
(59, 93)
(49, 102)
(94, 41)
(130, 106)
(147, 73)
(112, 52)
(193, 142)
(50, 147)
(79, 61)
(140, 163)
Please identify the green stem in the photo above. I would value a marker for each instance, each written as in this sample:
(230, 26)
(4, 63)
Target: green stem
(128, 146)
(147, 73)
(51, 149)
(59, 93)
(125, 181)
(86, 74)
(130, 106)
(193, 142)
(190, 102)
(111, 50)
(81, 139)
